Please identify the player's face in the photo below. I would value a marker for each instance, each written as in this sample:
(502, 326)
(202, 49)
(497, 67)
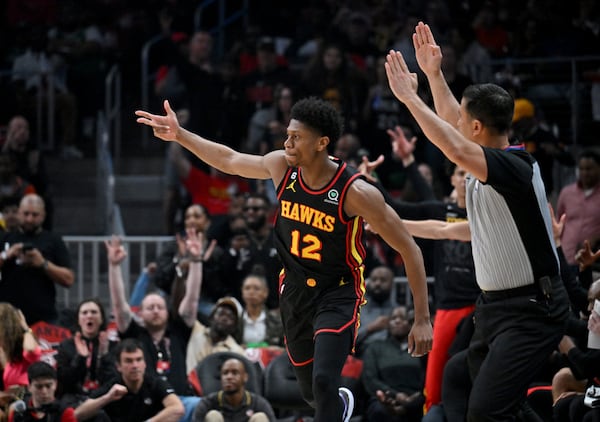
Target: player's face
(302, 144)
(233, 376)
(132, 366)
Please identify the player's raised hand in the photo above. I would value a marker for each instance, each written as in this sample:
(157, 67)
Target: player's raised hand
(164, 127)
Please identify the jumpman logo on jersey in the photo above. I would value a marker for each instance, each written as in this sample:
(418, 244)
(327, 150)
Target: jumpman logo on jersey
(342, 283)
(291, 186)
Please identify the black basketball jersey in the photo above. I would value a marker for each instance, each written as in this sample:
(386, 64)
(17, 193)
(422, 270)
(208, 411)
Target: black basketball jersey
(314, 237)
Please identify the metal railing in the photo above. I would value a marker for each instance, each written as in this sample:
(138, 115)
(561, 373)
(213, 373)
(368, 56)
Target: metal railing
(88, 260)
(112, 108)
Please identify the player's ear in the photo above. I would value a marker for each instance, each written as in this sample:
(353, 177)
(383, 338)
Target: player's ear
(322, 143)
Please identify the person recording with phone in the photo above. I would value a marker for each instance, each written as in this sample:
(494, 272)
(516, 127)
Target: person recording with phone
(32, 261)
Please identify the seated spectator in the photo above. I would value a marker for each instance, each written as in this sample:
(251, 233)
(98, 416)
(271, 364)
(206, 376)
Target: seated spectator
(35, 261)
(218, 336)
(233, 402)
(18, 346)
(135, 395)
(163, 335)
(41, 404)
(83, 361)
(375, 314)
(583, 365)
(393, 379)
(260, 327)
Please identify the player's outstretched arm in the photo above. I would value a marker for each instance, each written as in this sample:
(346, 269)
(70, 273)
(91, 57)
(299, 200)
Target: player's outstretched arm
(219, 156)
(436, 229)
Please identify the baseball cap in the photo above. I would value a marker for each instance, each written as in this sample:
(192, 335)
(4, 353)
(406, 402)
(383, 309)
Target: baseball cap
(230, 302)
(523, 108)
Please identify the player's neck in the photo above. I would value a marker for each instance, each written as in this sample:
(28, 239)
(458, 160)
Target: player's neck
(319, 174)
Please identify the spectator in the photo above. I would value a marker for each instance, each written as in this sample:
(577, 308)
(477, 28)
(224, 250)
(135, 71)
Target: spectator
(233, 402)
(259, 326)
(33, 261)
(392, 378)
(35, 73)
(9, 209)
(539, 141)
(30, 162)
(11, 184)
(580, 201)
(260, 83)
(18, 345)
(41, 404)
(175, 260)
(256, 212)
(135, 395)
(375, 314)
(84, 361)
(267, 129)
(211, 188)
(164, 336)
(218, 336)
(193, 84)
(332, 77)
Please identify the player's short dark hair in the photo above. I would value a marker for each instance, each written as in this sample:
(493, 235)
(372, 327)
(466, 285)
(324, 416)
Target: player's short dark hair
(319, 115)
(40, 370)
(491, 104)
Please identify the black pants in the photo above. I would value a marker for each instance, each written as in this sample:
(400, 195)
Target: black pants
(517, 335)
(319, 381)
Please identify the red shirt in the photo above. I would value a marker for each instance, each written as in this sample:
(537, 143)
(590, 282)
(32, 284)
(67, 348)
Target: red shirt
(213, 191)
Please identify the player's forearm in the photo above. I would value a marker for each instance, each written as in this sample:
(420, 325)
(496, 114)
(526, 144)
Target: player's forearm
(415, 272)
(212, 153)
